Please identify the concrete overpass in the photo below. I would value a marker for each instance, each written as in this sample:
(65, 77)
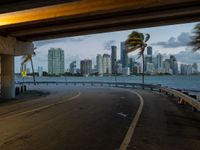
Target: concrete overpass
(26, 21)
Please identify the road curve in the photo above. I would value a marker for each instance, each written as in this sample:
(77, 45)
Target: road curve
(73, 118)
(89, 118)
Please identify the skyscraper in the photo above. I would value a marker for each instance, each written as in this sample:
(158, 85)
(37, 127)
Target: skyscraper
(130, 64)
(166, 65)
(149, 50)
(72, 67)
(186, 69)
(86, 67)
(195, 67)
(159, 62)
(124, 55)
(148, 58)
(106, 64)
(99, 63)
(56, 62)
(114, 59)
(173, 64)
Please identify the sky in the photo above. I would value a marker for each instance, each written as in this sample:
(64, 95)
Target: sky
(171, 39)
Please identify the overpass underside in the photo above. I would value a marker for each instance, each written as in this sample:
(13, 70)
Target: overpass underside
(26, 21)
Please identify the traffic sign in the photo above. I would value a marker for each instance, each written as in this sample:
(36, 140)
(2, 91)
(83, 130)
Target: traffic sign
(23, 73)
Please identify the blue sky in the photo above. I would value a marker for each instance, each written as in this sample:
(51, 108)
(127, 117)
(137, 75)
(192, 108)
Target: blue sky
(167, 40)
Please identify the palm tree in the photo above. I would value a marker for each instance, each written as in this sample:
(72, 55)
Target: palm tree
(27, 58)
(196, 38)
(137, 41)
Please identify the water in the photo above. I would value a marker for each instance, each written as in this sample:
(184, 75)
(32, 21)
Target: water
(178, 82)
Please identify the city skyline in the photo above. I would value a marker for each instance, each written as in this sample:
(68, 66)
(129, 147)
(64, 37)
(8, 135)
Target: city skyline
(174, 41)
(107, 64)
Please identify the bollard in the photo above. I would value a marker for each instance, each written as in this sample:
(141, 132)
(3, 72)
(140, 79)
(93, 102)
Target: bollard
(16, 91)
(22, 90)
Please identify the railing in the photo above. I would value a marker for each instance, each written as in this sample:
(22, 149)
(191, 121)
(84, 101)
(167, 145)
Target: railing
(181, 96)
(97, 83)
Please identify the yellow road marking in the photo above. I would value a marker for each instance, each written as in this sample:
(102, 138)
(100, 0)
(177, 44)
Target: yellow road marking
(43, 107)
(131, 129)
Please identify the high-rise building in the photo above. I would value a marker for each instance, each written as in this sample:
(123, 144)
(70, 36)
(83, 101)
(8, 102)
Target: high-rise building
(40, 71)
(119, 67)
(173, 64)
(149, 50)
(159, 61)
(72, 67)
(106, 64)
(195, 67)
(166, 66)
(147, 59)
(86, 67)
(126, 71)
(130, 64)
(114, 59)
(99, 63)
(186, 69)
(150, 68)
(56, 63)
(124, 55)
(183, 69)
(137, 69)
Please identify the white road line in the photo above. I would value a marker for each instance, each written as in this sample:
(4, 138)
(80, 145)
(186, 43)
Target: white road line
(129, 134)
(42, 107)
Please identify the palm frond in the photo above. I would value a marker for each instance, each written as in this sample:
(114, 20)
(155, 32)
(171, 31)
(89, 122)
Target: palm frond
(195, 39)
(133, 48)
(147, 37)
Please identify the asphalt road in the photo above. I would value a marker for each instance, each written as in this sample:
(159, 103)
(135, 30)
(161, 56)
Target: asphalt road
(83, 118)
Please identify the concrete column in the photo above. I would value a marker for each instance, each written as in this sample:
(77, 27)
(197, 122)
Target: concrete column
(7, 76)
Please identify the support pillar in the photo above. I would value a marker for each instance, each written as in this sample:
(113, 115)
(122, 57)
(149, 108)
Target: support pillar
(7, 76)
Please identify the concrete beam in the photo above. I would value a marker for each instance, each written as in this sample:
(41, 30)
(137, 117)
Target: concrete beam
(11, 46)
(89, 16)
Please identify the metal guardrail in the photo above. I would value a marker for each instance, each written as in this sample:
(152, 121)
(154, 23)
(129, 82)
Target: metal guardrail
(183, 97)
(191, 101)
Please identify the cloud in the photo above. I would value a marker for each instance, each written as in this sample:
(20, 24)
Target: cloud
(61, 40)
(182, 40)
(108, 44)
(187, 56)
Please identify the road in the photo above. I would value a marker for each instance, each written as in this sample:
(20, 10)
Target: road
(84, 118)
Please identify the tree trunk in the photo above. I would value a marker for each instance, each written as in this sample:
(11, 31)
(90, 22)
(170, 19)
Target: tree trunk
(143, 70)
(33, 71)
